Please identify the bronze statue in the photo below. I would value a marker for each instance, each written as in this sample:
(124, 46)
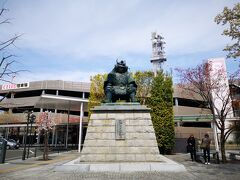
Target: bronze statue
(120, 84)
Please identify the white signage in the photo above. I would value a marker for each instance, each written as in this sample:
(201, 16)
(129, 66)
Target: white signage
(218, 75)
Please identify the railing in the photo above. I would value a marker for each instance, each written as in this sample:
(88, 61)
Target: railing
(236, 96)
(236, 113)
(8, 120)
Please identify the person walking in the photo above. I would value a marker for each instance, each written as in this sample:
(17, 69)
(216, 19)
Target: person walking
(191, 147)
(205, 145)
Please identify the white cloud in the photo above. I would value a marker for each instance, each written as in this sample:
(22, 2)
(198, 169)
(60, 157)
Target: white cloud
(77, 76)
(86, 28)
(82, 30)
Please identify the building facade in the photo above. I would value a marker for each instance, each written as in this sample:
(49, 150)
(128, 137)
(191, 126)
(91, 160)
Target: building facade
(62, 98)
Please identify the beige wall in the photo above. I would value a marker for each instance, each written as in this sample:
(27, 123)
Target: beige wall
(184, 132)
(182, 93)
(185, 110)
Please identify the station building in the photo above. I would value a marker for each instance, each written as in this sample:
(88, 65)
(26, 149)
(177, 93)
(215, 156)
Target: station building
(63, 98)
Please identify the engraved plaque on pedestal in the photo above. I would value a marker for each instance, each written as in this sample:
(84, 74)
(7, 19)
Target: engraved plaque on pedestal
(120, 130)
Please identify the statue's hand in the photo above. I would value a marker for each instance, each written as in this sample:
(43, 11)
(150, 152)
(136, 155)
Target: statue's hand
(131, 88)
(109, 87)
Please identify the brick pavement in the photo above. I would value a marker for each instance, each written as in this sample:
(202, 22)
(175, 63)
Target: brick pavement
(34, 168)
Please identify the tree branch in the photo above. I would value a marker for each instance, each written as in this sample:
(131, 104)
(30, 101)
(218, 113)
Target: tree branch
(7, 43)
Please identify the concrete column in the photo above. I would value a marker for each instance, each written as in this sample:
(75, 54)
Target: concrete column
(56, 137)
(54, 129)
(176, 102)
(80, 128)
(214, 126)
(80, 124)
(176, 105)
(6, 132)
(12, 97)
(68, 116)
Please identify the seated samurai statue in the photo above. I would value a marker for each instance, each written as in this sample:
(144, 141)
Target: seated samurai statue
(119, 84)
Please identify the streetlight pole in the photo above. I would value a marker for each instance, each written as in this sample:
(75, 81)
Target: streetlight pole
(26, 134)
(32, 117)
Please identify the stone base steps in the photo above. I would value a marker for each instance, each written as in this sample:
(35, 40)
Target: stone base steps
(166, 165)
(124, 157)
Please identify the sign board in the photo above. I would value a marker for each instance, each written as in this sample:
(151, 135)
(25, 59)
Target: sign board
(120, 129)
(15, 86)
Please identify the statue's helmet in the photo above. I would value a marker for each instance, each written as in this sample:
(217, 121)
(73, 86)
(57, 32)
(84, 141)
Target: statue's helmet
(121, 66)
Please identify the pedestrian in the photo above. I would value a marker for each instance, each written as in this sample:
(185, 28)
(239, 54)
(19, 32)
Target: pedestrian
(205, 145)
(191, 147)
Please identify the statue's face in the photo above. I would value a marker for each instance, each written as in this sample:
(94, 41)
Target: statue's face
(121, 69)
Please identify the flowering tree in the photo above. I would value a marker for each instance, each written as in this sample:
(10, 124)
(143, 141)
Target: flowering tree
(212, 85)
(45, 124)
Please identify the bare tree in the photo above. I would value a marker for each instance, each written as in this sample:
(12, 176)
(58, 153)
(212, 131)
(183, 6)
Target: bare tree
(7, 72)
(212, 86)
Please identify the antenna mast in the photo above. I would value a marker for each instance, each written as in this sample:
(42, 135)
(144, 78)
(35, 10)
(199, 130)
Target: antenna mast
(158, 53)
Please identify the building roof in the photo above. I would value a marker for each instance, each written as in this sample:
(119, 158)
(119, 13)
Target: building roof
(19, 102)
(48, 101)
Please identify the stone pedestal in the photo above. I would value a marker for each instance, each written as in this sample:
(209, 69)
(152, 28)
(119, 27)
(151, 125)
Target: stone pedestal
(120, 132)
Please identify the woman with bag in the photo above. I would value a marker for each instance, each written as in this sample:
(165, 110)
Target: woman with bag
(205, 145)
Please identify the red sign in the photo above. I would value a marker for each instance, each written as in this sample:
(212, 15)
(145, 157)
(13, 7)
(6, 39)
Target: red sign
(9, 86)
(15, 86)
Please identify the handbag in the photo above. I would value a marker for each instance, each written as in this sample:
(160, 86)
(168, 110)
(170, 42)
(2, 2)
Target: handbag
(203, 145)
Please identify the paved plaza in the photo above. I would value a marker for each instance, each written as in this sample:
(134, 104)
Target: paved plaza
(35, 168)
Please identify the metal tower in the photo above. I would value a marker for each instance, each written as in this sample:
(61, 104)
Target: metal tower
(158, 54)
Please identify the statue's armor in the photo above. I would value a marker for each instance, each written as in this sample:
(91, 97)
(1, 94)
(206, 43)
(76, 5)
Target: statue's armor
(119, 83)
(121, 79)
(120, 86)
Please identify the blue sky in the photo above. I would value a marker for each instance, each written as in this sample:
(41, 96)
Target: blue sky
(74, 39)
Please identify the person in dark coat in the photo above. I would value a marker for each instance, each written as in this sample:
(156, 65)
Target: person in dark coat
(191, 147)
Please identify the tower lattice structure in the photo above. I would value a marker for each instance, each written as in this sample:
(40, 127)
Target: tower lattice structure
(158, 53)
